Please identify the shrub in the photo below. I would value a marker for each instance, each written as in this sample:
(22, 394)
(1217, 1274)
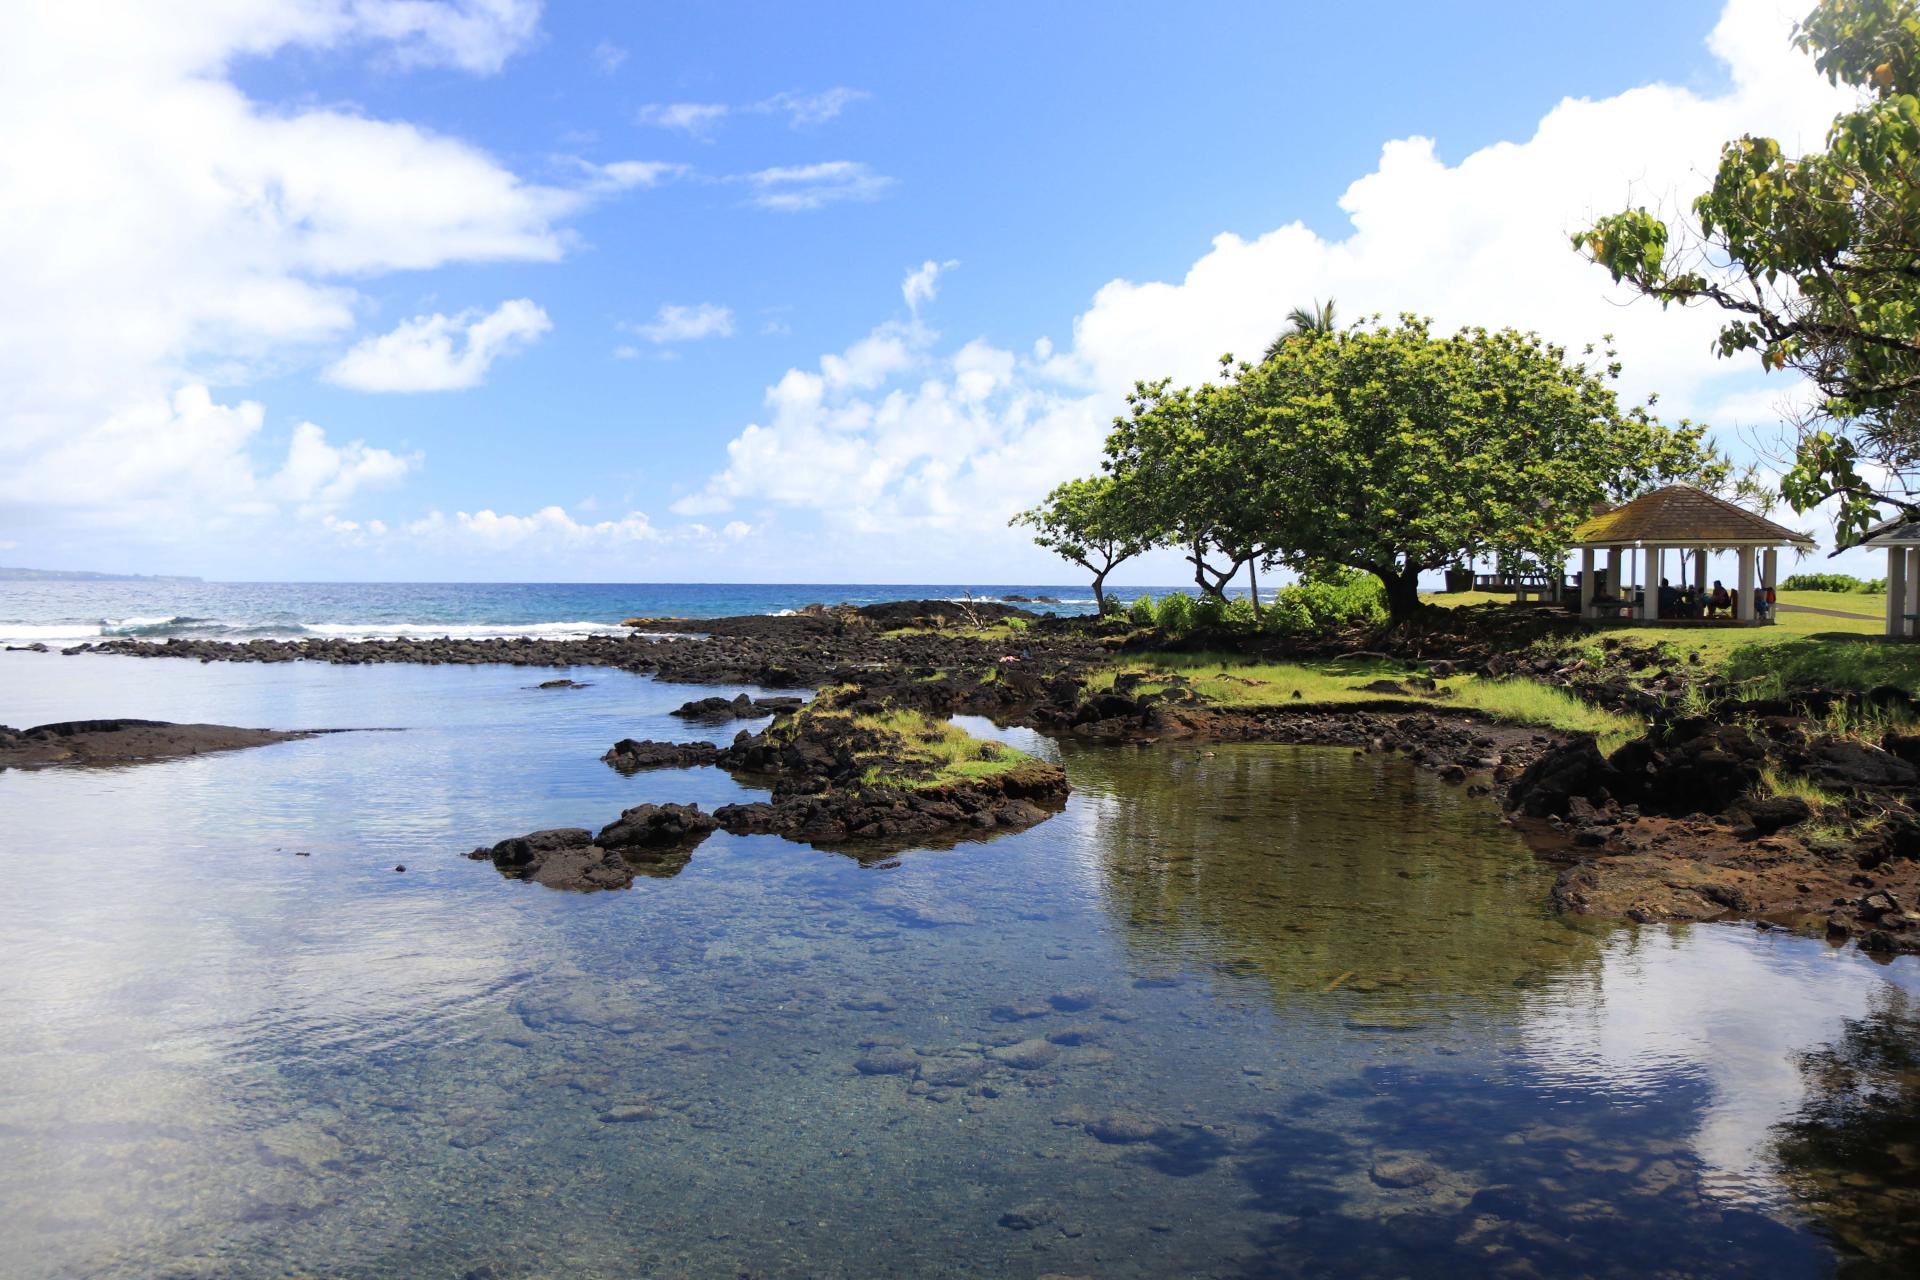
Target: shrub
(1174, 615)
(1239, 612)
(1845, 582)
(1016, 624)
(1209, 612)
(1141, 610)
(1326, 603)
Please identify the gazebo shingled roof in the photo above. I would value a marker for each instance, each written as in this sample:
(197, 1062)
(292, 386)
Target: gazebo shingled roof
(1681, 516)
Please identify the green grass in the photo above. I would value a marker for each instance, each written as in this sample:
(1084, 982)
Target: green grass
(1519, 701)
(1228, 680)
(1775, 783)
(1867, 606)
(930, 752)
(1831, 661)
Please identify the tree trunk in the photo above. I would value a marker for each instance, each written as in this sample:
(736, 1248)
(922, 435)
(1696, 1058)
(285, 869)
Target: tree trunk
(1100, 592)
(1403, 592)
(1211, 581)
(1253, 587)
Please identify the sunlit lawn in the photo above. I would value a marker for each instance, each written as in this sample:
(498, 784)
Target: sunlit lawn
(1230, 680)
(1868, 606)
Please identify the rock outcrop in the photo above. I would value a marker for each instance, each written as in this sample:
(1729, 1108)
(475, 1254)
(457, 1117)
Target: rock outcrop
(648, 840)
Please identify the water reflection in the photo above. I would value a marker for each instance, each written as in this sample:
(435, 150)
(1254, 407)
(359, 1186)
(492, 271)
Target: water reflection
(1318, 871)
(1851, 1152)
(1266, 1012)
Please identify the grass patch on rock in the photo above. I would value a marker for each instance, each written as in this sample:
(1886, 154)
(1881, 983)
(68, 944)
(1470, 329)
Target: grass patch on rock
(1231, 681)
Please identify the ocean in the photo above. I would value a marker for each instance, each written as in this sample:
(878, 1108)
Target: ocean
(66, 613)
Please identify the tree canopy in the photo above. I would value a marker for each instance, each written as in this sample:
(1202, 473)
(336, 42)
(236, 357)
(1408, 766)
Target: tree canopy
(1392, 450)
(1089, 522)
(1816, 260)
(1389, 449)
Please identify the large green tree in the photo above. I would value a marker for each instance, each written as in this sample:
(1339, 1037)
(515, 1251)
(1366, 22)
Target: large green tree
(1816, 260)
(1092, 523)
(1390, 449)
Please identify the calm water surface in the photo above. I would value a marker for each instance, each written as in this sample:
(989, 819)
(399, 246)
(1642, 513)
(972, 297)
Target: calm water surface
(1318, 997)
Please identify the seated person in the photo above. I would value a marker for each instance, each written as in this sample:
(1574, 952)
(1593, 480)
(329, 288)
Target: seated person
(1669, 600)
(1719, 600)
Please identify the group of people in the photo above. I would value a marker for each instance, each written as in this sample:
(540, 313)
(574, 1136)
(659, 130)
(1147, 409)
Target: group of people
(1692, 602)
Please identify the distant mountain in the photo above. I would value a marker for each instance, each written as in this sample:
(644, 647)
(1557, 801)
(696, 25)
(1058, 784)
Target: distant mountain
(77, 575)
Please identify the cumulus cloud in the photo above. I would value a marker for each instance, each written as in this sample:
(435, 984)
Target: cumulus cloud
(152, 460)
(676, 323)
(800, 188)
(438, 352)
(320, 476)
(892, 434)
(159, 229)
(488, 526)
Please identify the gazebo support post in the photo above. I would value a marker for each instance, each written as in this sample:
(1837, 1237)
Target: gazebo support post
(1700, 570)
(1586, 582)
(1745, 611)
(1911, 597)
(1613, 574)
(1650, 601)
(1769, 575)
(1896, 591)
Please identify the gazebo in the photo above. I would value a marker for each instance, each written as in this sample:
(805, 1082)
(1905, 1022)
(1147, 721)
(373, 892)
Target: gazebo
(1901, 538)
(1676, 518)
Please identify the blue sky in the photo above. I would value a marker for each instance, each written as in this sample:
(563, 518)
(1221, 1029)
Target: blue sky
(356, 289)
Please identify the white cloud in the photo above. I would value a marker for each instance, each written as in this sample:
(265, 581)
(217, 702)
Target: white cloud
(320, 476)
(553, 522)
(152, 461)
(922, 284)
(700, 119)
(608, 57)
(889, 435)
(438, 352)
(799, 188)
(695, 118)
(807, 109)
(159, 230)
(476, 35)
(675, 323)
(625, 175)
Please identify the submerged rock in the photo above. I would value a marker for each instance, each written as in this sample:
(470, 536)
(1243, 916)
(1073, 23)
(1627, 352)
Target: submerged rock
(1401, 1169)
(1027, 1055)
(885, 1062)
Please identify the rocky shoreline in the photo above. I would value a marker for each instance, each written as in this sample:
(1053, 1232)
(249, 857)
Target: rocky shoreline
(1668, 829)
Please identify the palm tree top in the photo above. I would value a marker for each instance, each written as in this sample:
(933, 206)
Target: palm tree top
(1304, 322)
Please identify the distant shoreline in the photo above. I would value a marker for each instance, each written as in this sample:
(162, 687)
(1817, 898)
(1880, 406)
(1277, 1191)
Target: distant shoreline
(82, 575)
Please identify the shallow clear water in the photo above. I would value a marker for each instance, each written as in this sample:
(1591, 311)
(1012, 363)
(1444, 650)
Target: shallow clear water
(1322, 992)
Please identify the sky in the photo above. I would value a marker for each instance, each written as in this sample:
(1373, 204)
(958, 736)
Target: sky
(492, 290)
